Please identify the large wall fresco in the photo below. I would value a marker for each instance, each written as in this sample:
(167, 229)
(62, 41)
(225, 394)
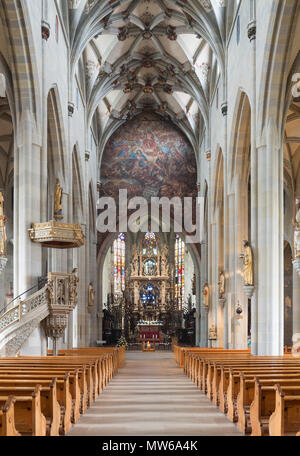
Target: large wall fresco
(148, 156)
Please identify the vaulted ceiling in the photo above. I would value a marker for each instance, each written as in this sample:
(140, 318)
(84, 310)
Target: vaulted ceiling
(158, 55)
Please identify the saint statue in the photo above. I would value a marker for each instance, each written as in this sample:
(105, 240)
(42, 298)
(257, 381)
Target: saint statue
(212, 334)
(57, 200)
(3, 237)
(164, 266)
(297, 236)
(164, 252)
(248, 264)
(205, 292)
(91, 301)
(221, 284)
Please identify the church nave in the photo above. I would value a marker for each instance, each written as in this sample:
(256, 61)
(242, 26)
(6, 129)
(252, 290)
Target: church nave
(150, 396)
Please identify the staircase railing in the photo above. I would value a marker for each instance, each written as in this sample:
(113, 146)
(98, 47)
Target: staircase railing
(18, 311)
(9, 304)
(59, 296)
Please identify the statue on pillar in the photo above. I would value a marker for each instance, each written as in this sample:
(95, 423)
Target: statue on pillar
(205, 292)
(297, 236)
(58, 200)
(3, 237)
(221, 284)
(212, 334)
(91, 299)
(248, 264)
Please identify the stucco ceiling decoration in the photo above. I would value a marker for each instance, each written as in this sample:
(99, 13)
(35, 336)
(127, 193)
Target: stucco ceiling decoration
(158, 55)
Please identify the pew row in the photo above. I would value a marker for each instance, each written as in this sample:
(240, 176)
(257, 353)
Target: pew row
(259, 393)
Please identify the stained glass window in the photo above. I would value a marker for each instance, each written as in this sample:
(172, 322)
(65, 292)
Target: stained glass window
(179, 271)
(150, 244)
(119, 264)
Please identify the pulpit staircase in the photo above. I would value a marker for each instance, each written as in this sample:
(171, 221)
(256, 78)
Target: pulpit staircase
(52, 303)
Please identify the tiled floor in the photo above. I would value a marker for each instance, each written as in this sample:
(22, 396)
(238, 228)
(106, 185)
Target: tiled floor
(151, 397)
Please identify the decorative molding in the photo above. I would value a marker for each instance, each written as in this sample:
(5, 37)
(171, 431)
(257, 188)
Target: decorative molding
(224, 108)
(251, 27)
(57, 235)
(20, 337)
(45, 30)
(249, 290)
(71, 108)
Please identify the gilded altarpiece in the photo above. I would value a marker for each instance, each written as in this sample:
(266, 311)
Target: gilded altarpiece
(150, 287)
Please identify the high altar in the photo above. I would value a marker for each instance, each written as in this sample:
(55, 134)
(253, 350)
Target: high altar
(151, 288)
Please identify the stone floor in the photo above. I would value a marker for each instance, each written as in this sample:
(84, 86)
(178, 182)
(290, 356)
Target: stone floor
(150, 396)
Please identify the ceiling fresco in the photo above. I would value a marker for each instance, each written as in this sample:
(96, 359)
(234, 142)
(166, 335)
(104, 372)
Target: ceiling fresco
(149, 157)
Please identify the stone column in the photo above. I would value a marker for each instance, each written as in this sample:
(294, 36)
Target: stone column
(253, 164)
(27, 209)
(27, 204)
(241, 219)
(269, 279)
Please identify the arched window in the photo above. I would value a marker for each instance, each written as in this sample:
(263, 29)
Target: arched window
(119, 264)
(179, 272)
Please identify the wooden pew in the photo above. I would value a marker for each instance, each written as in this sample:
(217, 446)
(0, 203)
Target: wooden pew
(7, 417)
(286, 418)
(50, 407)
(258, 394)
(63, 387)
(63, 393)
(263, 404)
(29, 419)
(228, 378)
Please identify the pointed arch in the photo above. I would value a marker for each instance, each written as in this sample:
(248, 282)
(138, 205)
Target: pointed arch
(56, 135)
(241, 137)
(15, 17)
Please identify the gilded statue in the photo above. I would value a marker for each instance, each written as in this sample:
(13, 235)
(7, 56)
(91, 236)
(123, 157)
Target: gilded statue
(57, 200)
(221, 284)
(3, 237)
(248, 264)
(205, 292)
(91, 298)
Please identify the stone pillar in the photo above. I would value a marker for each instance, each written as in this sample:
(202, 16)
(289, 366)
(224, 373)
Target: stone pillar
(296, 307)
(269, 279)
(241, 221)
(27, 207)
(253, 165)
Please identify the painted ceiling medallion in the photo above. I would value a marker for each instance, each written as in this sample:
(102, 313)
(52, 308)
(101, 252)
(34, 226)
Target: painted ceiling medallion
(147, 35)
(127, 88)
(147, 63)
(168, 88)
(148, 88)
(171, 34)
(123, 33)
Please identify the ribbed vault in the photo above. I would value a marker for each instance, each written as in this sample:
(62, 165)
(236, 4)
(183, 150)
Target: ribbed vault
(163, 56)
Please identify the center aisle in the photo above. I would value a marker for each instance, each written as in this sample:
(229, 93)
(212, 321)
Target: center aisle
(150, 396)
